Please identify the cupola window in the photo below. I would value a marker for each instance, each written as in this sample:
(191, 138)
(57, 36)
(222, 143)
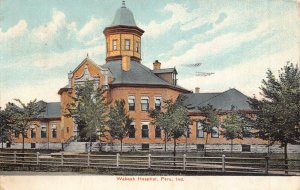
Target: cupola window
(127, 44)
(137, 47)
(114, 44)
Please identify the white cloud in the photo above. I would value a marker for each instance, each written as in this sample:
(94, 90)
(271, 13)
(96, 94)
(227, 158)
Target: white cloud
(50, 29)
(46, 90)
(216, 46)
(155, 28)
(246, 76)
(51, 60)
(90, 27)
(15, 31)
(41, 90)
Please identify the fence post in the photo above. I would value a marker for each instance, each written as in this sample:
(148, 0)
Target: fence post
(267, 165)
(118, 159)
(149, 161)
(223, 163)
(37, 158)
(15, 157)
(184, 162)
(62, 159)
(88, 161)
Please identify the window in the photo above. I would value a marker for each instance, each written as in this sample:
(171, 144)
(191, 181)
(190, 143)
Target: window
(32, 132)
(247, 132)
(68, 129)
(131, 133)
(157, 101)
(43, 131)
(215, 132)
(145, 103)
(246, 148)
(187, 132)
(16, 134)
(157, 132)
(200, 147)
(145, 146)
(127, 44)
(137, 46)
(145, 131)
(200, 132)
(32, 145)
(131, 103)
(114, 44)
(54, 131)
(8, 145)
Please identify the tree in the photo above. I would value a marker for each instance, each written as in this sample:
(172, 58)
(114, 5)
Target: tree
(89, 110)
(233, 127)
(174, 120)
(209, 121)
(278, 113)
(5, 129)
(22, 116)
(119, 122)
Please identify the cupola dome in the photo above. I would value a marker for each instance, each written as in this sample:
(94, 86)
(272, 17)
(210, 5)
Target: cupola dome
(123, 17)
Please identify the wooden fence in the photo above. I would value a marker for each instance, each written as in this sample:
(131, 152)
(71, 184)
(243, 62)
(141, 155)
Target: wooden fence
(261, 166)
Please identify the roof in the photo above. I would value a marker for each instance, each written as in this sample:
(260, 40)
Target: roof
(137, 75)
(123, 17)
(168, 70)
(50, 109)
(222, 101)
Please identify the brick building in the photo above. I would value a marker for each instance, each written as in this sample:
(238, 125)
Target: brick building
(125, 77)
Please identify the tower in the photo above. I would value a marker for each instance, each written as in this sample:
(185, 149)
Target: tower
(123, 38)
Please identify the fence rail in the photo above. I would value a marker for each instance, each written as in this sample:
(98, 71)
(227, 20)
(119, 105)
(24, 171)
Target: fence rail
(221, 164)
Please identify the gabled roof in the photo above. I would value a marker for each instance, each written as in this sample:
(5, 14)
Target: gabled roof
(137, 75)
(50, 109)
(223, 101)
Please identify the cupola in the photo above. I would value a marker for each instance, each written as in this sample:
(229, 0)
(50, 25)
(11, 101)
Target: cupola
(123, 36)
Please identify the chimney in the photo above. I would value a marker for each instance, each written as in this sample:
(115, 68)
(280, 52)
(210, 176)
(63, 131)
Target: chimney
(126, 63)
(156, 65)
(197, 90)
(70, 74)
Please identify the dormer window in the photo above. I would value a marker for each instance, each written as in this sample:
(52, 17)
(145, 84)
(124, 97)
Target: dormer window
(114, 44)
(127, 44)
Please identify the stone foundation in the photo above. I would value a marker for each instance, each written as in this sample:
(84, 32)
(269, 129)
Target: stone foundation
(180, 147)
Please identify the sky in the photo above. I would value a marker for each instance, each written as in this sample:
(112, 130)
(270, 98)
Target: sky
(41, 41)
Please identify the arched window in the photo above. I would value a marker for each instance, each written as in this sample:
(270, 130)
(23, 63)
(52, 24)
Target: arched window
(187, 132)
(32, 132)
(43, 131)
(200, 132)
(144, 103)
(215, 132)
(157, 132)
(157, 101)
(145, 131)
(131, 133)
(131, 103)
(54, 131)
